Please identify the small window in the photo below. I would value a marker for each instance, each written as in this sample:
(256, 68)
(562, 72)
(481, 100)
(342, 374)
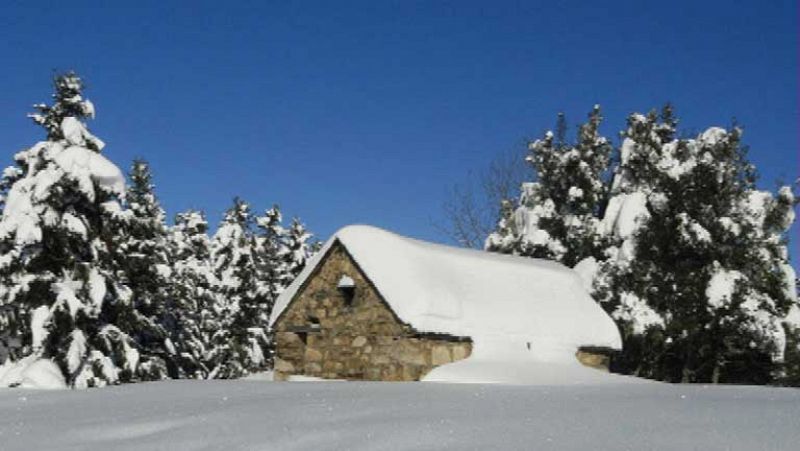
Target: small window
(347, 287)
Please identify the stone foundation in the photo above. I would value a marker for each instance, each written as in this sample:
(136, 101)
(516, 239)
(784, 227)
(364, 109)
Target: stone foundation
(360, 357)
(594, 358)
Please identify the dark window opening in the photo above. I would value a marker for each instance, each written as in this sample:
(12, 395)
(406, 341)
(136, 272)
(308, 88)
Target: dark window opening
(348, 294)
(303, 337)
(347, 288)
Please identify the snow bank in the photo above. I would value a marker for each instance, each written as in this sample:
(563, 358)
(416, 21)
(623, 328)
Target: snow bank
(502, 302)
(489, 371)
(241, 415)
(269, 376)
(32, 372)
(498, 362)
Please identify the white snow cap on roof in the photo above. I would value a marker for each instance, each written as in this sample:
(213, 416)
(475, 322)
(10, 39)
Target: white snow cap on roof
(523, 302)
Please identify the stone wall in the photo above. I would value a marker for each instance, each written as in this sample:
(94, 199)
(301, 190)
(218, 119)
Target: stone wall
(594, 358)
(330, 333)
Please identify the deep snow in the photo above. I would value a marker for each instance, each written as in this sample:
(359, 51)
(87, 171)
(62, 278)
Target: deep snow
(354, 415)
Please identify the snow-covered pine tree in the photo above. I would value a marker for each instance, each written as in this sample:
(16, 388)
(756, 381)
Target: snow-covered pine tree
(283, 252)
(791, 368)
(244, 303)
(274, 255)
(698, 276)
(59, 295)
(195, 305)
(144, 265)
(275, 265)
(693, 263)
(557, 217)
(299, 249)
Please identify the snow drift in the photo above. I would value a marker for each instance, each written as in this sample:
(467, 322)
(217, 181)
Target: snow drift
(250, 415)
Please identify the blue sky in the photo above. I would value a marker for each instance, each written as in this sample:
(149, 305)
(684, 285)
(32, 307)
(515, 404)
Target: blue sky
(367, 112)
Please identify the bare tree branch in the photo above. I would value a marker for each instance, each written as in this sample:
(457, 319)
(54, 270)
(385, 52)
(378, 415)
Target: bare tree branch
(472, 208)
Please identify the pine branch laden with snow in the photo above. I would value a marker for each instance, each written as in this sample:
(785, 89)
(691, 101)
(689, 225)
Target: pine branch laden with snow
(689, 256)
(58, 293)
(557, 214)
(299, 248)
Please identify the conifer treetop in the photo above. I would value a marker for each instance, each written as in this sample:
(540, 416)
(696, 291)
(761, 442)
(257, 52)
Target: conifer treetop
(141, 192)
(68, 103)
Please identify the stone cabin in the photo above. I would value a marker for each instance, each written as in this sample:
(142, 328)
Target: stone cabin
(372, 305)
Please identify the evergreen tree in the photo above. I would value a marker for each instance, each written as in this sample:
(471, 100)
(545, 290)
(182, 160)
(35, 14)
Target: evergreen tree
(791, 370)
(696, 277)
(145, 268)
(245, 302)
(682, 249)
(273, 255)
(60, 298)
(557, 217)
(200, 343)
(283, 252)
(299, 249)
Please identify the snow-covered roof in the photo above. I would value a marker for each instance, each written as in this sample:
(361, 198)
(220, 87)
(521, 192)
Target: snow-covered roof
(486, 296)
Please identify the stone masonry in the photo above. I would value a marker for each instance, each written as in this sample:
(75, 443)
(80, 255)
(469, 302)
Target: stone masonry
(340, 333)
(596, 358)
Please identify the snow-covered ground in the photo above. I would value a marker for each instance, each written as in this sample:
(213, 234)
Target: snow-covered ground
(256, 414)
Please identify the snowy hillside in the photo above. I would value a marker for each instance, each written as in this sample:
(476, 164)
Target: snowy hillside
(348, 415)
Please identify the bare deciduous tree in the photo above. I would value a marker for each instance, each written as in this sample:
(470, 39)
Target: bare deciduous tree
(472, 208)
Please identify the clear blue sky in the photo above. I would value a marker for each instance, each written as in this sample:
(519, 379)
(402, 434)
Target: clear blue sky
(367, 112)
